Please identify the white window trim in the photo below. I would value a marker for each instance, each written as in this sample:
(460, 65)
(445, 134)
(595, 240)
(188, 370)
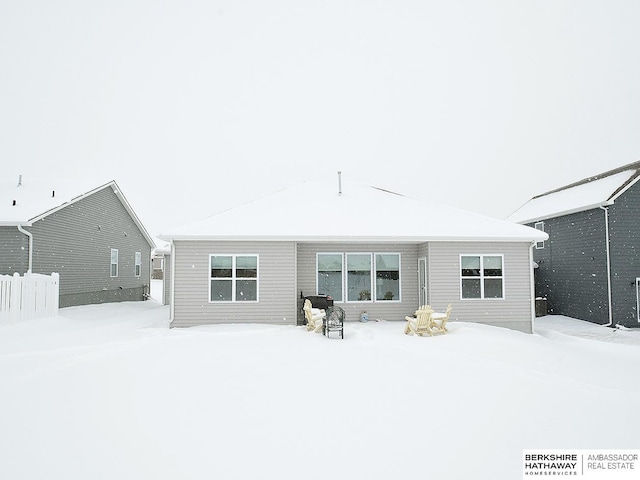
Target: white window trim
(137, 267)
(374, 270)
(233, 278)
(111, 264)
(539, 245)
(482, 277)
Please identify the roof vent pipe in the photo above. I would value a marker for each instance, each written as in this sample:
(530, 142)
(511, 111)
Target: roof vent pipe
(339, 183)
(14, 203)
(19, 180)
(53, 194)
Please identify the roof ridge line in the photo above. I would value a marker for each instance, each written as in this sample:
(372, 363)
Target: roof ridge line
(599, 176)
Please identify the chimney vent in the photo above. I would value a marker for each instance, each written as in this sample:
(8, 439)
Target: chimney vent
(19, 180)
(339, 183)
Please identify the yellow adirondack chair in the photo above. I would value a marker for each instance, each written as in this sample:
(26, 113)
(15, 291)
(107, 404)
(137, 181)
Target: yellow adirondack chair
(314, 316)
(421, 323)
(439, 325)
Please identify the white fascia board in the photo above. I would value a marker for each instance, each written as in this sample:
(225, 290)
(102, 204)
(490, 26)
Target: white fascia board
(117, 191)
(627, 187)
(132, 214)
(351, 239)
(566, 212)
(70, 202)
(15, 223)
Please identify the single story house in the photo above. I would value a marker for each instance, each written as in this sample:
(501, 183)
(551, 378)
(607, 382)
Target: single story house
(86, 232)
(370, 249)
(590, 266)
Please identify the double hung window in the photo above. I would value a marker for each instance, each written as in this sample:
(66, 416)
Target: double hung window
(114, 262)
(233, 278)
(539, 226)
(330, 275)
(138, 264)
(359, 277)
(481, 276)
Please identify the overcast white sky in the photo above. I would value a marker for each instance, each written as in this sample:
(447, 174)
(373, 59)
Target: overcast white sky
(193, 106)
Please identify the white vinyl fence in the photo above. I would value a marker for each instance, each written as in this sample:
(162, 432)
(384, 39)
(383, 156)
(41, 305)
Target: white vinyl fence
(31, 296)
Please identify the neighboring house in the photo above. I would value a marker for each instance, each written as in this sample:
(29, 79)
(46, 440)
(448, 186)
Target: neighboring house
(88, 234)
(370, 249)
(590, 266)
(158, 259)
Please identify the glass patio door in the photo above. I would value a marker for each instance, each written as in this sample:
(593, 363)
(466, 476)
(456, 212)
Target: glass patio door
(422, 281)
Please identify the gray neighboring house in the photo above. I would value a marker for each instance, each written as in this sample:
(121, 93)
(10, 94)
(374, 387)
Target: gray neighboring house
(590, 267)
(370, 249)
(88, 234)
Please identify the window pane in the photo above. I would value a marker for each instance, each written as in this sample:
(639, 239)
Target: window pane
(470, 288)
(358, 277)
(247, 267)
(493, 266)
(470, 266)
(114, 270)
(330, 283)
(221, 266)
(246, 290)
(330, 275)
(387, 277)
(221, 291)
(493, 288)
(330, 262)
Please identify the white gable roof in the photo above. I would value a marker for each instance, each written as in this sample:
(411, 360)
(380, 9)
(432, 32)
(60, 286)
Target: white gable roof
(586, 194)
(315, 211)
(31, 199)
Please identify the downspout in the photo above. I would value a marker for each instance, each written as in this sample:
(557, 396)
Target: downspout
(606, 232)
(172, 293)
(30, 236)
(532, 282)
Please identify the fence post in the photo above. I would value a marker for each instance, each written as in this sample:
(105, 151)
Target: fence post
(53, 295)
(14, 302)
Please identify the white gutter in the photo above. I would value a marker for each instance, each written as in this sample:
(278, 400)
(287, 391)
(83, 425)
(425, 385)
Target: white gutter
(606, 230)
(30, 235)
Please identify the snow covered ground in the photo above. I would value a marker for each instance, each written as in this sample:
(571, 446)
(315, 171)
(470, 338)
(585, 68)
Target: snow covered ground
(109, 391)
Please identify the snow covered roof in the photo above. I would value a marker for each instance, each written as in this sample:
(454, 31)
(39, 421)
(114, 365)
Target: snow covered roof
(24, 201)
(585, 194)
(315, 211)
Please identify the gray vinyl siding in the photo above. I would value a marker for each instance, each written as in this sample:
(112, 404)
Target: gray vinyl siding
(390, 310)
(166, 280)
(572, 271)
(76, 242)
(513, 311)
(287, 271)
(624, 231)
(276, 288)
(14, 251)
(572, 266)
